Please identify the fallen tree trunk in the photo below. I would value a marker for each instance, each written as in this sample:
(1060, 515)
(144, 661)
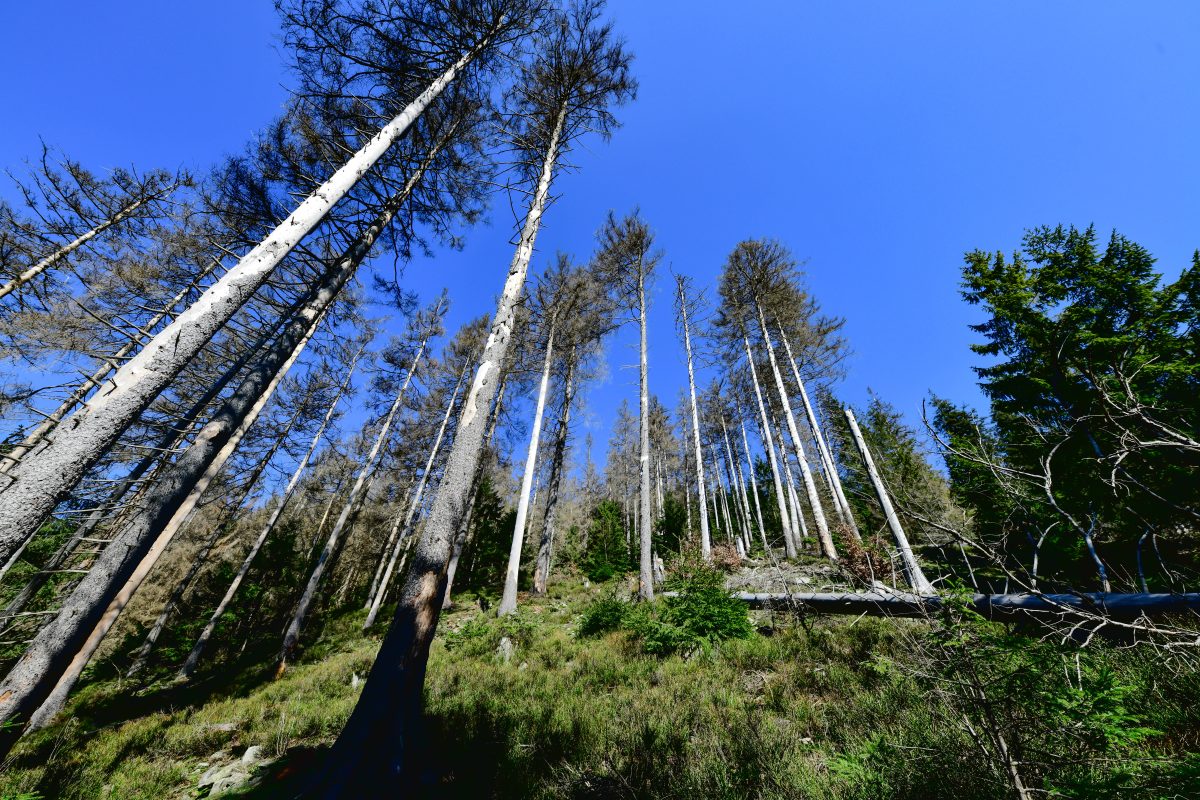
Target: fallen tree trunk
(992, 606)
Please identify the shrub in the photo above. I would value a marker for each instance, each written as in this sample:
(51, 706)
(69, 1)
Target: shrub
(725, 557)
(603, 615)
(703, 607)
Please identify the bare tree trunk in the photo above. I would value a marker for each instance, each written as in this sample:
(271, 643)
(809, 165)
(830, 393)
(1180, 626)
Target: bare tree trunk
(42, 481)
(558, 459)
(835, 481)
(758, 515)
(790, 534)
(464, 530)
(43, 679)
(64, 251)
(916, 577)
(742, 499)
(814, 500)
(793, 498)
(508, 602)
(34, 437)
(645, 527)
(193, 659)
(388, 710)
(354, 501)
(381, 592)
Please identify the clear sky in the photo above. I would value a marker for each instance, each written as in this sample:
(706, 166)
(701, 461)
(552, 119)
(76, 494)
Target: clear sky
(877, 140)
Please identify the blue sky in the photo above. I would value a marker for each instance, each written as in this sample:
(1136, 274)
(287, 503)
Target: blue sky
(879, 141)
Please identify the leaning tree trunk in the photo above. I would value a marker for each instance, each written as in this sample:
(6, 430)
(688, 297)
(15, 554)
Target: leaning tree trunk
(354, 502)
(508, 602)
(810, 487)
(790, 535)
(42, 481)
(645, 523)
(375, 745)
(175, 434)
(142, 656)
(47, 671)
(916, 577)
(381, 592)
(758, 514)
(32, 678)
(193, 659)
(541, 573)
(835, 481)
(34, 437)
(58, 255)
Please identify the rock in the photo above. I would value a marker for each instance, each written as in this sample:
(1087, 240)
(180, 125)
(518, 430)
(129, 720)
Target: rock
(355, 681)
(506, 649)
(231, 777)
(224, 727)
(253, 753)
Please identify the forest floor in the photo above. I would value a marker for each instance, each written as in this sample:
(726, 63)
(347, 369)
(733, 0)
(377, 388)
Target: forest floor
(803, 708)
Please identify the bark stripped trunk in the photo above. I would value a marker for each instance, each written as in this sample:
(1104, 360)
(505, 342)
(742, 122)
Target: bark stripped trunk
(64, 251)
(464, 529)
(790, 535)
(541, 573)
(44, 480)
(193, 659)
(354, 503)
(835, 481)
(912, 569)
(758, 515)
(388, 710)
(810, 488)
(508, 601)
(61, 649)
(645, 526)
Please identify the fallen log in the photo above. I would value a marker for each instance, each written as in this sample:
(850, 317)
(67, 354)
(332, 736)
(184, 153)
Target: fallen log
(992, 606)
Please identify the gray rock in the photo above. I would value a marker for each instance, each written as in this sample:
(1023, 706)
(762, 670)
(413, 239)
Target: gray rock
(233, 776)
(253, 753)
(506, 649)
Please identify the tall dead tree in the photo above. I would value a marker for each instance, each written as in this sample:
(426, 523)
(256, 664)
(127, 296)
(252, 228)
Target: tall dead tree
(682, 305)
(42, 481)
(577, 72)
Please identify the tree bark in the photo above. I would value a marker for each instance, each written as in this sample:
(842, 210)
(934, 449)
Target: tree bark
(758, 515)
(48, 668)
(645, 526)
(381, 592)
(44, 480)
(508, 601)
(354, 502)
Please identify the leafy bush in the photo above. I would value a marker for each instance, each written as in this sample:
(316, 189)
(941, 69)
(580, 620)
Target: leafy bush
(603, 615)
(702, 607)
(481, 634)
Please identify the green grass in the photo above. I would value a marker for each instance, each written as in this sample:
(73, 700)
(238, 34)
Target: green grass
(823, 709)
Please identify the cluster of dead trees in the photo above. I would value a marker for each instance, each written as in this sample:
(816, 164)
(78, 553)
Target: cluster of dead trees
(219, 329)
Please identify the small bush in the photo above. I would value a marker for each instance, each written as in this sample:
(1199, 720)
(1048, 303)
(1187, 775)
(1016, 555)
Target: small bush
(603, 615)
(725, 558)
(703, 607)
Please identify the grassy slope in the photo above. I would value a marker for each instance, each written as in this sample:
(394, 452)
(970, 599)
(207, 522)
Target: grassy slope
(794, 714)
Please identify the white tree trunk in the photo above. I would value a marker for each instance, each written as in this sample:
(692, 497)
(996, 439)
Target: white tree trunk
(835, 481)
(758, 515)
(814, 499)
(223, 434)
(541, 573)
(193, 659)
(508, 602)
(790, 534)
(64, 251)
(916, 577)
(45, 479)
(645, 521)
